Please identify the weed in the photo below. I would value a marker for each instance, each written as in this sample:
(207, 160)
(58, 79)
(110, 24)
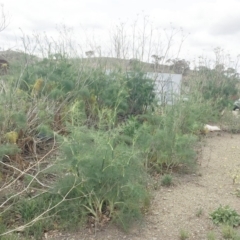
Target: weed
(111, 178)
(167, 180)
(238, 193)
(228, 232)
(237, 236)
(168, 147)
(183, 234)
(11, 237)
(199, 212)
(219, 89)
(230, 122)
(225, 215)
(235, 176)
(211, 236)
(30, 209)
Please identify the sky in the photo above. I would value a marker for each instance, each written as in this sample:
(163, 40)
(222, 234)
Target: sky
(189, 29)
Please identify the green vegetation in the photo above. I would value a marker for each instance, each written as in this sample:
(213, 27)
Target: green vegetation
(167, 180)
(199, 212)
(211, 236)
(228, 232)
(238, 193)
(81, 140)
(183, 234)
(225, 215)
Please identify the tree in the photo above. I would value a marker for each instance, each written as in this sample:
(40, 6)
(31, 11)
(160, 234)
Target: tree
(231, 72)
(180, 66)
(89, 53)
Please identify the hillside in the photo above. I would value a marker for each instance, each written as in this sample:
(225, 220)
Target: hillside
(15, 57)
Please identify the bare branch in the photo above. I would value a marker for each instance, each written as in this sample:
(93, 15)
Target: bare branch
(41, 216)
(24, 172)
(3, 19)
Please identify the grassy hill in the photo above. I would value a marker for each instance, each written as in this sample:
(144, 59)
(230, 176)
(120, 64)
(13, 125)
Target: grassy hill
(127, 64)
(16, 57)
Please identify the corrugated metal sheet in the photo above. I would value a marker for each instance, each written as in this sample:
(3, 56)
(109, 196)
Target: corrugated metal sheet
(167, 86)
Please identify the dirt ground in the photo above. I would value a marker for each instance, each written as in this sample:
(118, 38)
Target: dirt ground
(187, 204)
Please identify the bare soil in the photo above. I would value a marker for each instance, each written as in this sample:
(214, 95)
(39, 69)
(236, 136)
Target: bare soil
(187, 204)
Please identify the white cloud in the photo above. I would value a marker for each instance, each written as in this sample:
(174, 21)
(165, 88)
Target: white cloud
(211, 23)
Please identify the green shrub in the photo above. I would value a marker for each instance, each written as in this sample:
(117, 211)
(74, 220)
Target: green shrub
(199, 212)
(125, 93)
(238, 193)
(217, 87)
(225, 215)
(110, 172)
(211, 236)
(169, 149)
(183, 234)
(228, 232)
(141, 91)
(58, 73)
(167, 180)
(61, 211)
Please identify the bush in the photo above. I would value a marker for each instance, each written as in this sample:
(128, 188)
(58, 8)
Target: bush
(225, 215)
(164, 145)
(183, 234)
(166, 180)
(211, 236)
(113, 181)
(55, 76)
(228, 232)
(218, 87)
(141, 92)
(125, 93)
